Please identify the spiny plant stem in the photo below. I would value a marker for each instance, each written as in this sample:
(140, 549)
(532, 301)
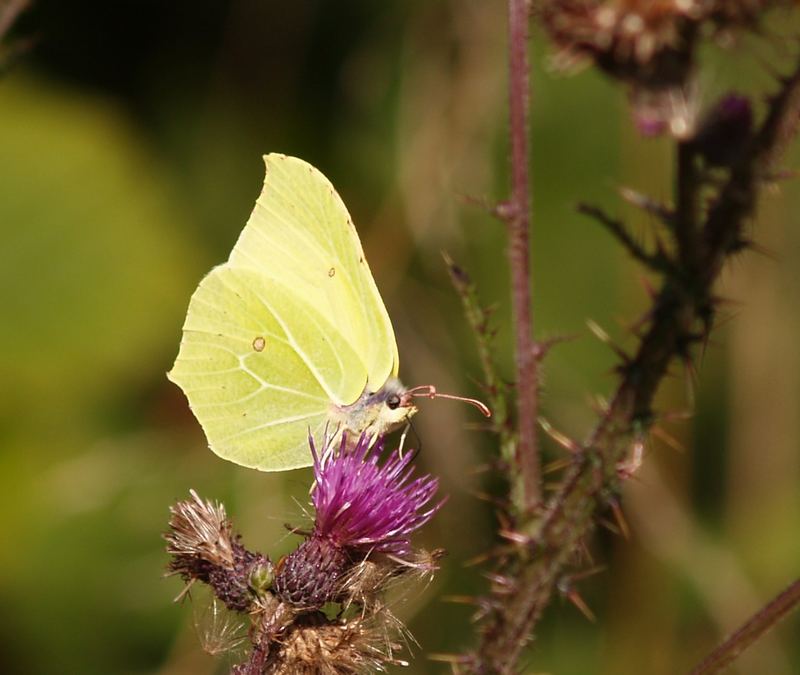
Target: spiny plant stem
(758, 624)
(680, 317)
(516, 213)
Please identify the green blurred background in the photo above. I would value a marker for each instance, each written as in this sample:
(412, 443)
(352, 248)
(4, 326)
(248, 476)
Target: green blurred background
(130, 157)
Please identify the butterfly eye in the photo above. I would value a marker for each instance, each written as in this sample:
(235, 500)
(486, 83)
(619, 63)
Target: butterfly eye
(393, 401)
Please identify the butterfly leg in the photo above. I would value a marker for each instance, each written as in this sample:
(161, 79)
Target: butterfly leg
(402, 444)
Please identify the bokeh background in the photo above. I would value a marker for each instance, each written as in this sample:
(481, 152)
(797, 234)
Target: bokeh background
(131, 137)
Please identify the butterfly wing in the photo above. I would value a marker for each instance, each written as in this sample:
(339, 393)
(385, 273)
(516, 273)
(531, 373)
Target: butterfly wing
(301, 234)
(261, 367)
(290, 325)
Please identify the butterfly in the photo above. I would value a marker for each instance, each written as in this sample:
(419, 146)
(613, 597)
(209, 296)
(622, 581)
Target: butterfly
(290, 337)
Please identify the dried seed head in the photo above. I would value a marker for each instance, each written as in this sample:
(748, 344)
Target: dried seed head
(200, 530)
(316, 646)
(204, 548)
(367, 581)
(643, 41)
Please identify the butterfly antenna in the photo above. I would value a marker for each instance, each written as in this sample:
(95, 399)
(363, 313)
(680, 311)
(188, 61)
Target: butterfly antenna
(429, 391)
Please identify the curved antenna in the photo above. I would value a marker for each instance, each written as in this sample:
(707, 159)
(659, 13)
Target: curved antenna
(429, 391)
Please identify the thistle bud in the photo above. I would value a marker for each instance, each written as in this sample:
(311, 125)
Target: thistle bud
(725, 130)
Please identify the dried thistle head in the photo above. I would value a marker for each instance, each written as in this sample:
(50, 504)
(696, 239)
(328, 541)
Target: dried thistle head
(643, 41)
(199, 530)
(366, 581)
(318, 646)
(647, 44)
(650, 45)
(204, 548)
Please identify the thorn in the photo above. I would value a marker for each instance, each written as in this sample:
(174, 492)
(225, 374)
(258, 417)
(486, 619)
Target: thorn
(575, 598)
(724, 300)
(515, 537)
(461, 599)
(504, 520)
(611, 527)
(478, 559)
(557, 465)
(761, 250)
(604, 337)
(616, 509)
(552, 486)
(648, 204)
(480, 469)
(485, 497)
(668, 439)
(592, 571)
(599, 405)
(725, 320)
(677, 415)
(483, 203)
(566, 589)
(656, 262)
(186, 591)
(542, 347)
(563, 440)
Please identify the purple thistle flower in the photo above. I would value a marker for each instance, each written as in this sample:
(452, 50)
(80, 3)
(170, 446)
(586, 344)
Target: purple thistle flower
(366, 506)
(363, 507)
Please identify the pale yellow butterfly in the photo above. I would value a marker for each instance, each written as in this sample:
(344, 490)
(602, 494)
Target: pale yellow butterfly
(290, 335)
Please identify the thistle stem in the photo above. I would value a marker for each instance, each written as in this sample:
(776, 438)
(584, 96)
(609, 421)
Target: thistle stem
(758, 624)
(517, 215)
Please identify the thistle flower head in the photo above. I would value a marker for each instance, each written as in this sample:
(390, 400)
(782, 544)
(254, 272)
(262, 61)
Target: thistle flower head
(630, 39)
(366, 506)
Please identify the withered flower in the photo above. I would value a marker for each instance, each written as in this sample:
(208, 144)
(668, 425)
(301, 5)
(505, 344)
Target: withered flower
(204, 548)
(650, 45)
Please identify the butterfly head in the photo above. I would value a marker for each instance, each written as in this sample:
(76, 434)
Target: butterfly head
(389, 408)
(376, 413)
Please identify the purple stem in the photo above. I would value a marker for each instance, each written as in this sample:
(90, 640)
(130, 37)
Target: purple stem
(518, 217)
